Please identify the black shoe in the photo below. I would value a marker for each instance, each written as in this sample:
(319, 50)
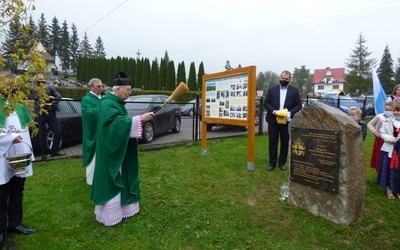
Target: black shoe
(57, 154)
(282, 167)
(44, 157)
(21, 229)
(270, 168)
(2, 240)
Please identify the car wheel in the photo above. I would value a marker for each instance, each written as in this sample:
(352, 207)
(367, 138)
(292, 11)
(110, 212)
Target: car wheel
(209, 126)
(177, 127)
(50, 140)
(190, 112)
(148, 132)
(257, 120)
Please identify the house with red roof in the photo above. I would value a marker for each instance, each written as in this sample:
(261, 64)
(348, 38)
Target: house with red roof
(328, 80)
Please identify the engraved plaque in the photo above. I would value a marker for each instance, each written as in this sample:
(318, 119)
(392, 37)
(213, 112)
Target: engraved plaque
(315, 158)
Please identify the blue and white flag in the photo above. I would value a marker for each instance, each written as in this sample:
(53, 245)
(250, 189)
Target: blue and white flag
(379, 94)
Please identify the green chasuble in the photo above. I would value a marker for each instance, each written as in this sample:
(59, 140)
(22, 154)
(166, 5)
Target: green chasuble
(115, 151)
(90, 107)
(23, 115)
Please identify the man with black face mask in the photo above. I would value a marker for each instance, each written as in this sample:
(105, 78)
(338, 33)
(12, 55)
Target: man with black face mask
(282, 102)
(50, 118)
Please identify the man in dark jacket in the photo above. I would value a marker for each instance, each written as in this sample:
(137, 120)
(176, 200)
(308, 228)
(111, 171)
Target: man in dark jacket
(48, 118)
(282, 102)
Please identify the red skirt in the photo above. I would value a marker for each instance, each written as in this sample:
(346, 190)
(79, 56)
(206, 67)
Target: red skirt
(376, 152)
(394, 162)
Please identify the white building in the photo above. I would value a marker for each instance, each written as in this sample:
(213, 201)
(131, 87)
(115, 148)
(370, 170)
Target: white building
(328, 79)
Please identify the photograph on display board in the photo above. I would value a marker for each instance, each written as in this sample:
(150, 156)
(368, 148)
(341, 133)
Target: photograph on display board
(229, 92)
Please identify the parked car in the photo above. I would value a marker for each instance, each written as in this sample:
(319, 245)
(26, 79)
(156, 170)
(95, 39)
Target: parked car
(70, 117)
(257, 118)
(309, 101)
(189, 108)
(345, 102)
(369, 102)
(167, 118)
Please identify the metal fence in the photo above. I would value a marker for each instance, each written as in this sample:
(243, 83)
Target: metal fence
(70, 118)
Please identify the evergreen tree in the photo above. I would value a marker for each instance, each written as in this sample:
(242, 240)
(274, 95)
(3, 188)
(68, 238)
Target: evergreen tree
(111, 70)
(359, 68)
(192, 77)
(99, 50)
(33, 29)
(138, 73)
(181, 74)
(299, 78)
(397, 72)
(74, 48)
(166, 57)
(118, 65)
(146, 74)
(18, 42)
(162, 76)
(86, 50)
(200, 77)
(54, 38)
(171, 78)
(154, 75)
(131, 69)
(80, 67)
(13, 41)
(105, 78)
(43, 32)
(385, 71)
(124, 65)
(64, 51)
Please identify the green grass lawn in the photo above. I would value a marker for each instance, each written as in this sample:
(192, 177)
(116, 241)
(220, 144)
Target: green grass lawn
(191, 201)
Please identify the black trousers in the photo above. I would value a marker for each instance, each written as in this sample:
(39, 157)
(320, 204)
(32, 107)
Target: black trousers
(276, 131)
(11, 196)
(54, 124)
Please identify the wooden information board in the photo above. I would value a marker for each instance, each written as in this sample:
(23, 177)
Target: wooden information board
(229, 98)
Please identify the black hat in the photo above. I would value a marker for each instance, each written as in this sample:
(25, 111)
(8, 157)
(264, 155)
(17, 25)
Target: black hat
(121, 79)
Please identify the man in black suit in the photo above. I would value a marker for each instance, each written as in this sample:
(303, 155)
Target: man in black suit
(279, 97)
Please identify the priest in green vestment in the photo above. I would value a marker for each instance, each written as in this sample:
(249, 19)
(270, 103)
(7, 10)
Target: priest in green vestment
(90, 106)
(115, 189)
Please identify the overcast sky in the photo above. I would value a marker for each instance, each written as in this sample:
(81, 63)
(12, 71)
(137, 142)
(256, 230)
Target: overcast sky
(272, 35)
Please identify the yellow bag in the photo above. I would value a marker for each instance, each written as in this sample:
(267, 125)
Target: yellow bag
(281, 116)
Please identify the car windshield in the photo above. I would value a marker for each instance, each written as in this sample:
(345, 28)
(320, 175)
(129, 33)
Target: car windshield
(370, 99)
(346, 98)
(342, 98)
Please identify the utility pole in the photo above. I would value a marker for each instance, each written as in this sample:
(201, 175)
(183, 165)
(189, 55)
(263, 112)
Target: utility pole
(138, 55)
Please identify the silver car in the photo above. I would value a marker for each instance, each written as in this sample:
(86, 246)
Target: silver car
(189, 108)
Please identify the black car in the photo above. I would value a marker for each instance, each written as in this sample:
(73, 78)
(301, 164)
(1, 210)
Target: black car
(70, 117)
(369, 103)
(167, 118)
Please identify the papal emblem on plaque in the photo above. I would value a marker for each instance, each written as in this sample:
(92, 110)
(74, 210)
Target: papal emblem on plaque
(298, 147)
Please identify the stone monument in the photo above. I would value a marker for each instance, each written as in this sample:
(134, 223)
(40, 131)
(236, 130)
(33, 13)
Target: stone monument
(327, 166)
